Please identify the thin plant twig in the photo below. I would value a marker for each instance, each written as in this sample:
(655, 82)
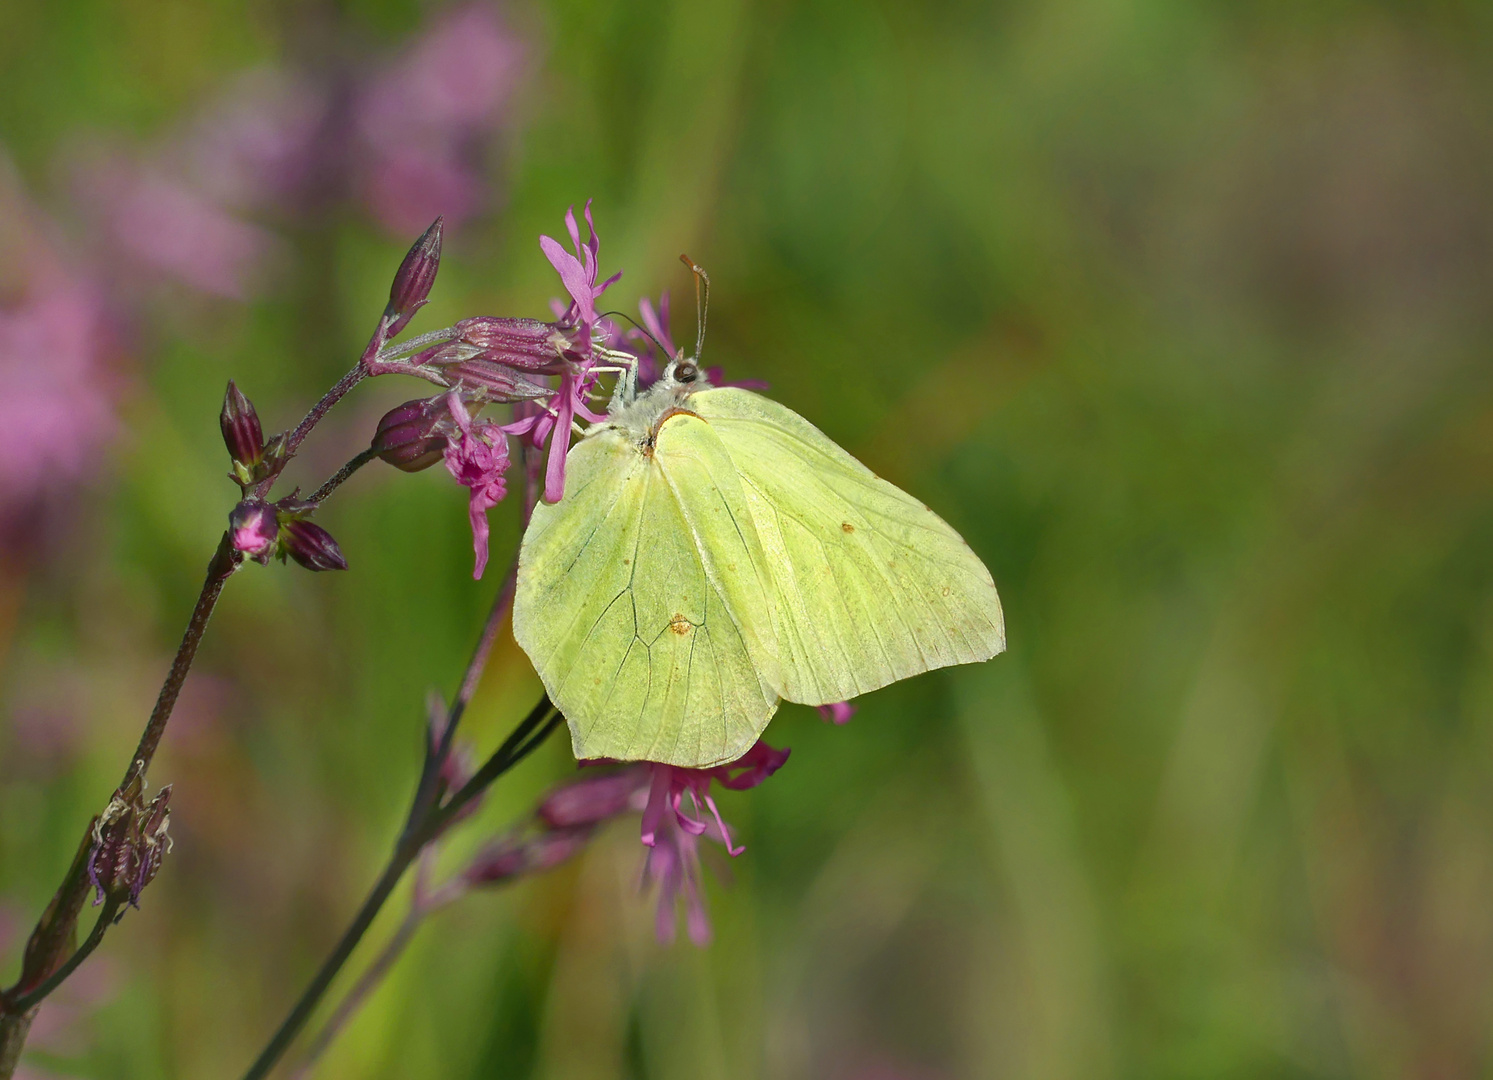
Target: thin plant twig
(417, 833)
(32, 998)
(224, 562)
(422, 906)
(320, 494)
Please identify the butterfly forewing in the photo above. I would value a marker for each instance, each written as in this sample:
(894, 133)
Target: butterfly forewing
(868, 584)
(633, 592)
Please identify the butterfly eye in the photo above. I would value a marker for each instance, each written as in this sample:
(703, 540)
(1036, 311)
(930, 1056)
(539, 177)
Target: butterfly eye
(686, 372)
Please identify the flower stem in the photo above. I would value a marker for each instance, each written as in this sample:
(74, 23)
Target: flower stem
(33, 998)
(420, 830)
(366, 984)
(399, 862)
(320, 494)
(224, 562)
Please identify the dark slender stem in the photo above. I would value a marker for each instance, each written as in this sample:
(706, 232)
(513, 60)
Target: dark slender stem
(60, 917)
(224, 562)
(513, 750)
(320, 494)
(417, 834)
(403, 855)
(293, 441)
(31, 998)
(500, 605)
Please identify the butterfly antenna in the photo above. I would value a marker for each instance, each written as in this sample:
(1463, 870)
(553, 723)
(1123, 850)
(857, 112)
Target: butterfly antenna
(702, 302)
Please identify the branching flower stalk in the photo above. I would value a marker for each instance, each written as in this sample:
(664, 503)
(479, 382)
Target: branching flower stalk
(257, 530)
(550, 374)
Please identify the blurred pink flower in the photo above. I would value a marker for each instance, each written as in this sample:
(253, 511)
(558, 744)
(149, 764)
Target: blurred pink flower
(258, 144)
(56, 392)
(837, 713)
(409, 140)
(63, 1024)
(422, 120)
(159, 223)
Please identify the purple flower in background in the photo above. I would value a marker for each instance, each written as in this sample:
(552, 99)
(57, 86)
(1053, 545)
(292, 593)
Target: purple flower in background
(421, 119)
(477, 456)
(409, 140)
(57, 344)
(161, 224)
(261, 143)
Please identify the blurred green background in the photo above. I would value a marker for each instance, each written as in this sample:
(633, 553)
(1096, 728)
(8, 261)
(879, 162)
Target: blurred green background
(1180, 312)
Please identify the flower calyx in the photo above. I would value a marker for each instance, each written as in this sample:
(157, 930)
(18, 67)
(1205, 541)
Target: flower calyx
(262, 531)
(130, 840)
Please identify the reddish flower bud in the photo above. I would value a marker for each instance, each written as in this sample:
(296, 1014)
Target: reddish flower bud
(253, 528)
(129, 842)
(525, 344)
(498, 382)
(595, 796)
(311, 546)
(405, 436)
(241, 431)
(414, 278)
(510, 858)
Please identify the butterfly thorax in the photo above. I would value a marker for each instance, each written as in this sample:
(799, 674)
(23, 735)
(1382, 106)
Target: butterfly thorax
(639, 419)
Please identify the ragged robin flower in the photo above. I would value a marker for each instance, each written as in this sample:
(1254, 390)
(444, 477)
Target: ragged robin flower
(672, 832)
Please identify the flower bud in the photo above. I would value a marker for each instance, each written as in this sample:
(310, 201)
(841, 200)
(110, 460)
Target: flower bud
(253, 528)
(497, 381)
(311, 546)
(241, 433)
(508, 859)
(593, 798)
(414, 278)
(525, 344)
(405, 436)
(129, 842)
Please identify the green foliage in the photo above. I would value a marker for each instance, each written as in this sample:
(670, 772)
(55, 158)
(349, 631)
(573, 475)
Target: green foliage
(1177, 312)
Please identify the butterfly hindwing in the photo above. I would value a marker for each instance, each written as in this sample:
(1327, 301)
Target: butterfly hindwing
(868, 584)
(632, 597)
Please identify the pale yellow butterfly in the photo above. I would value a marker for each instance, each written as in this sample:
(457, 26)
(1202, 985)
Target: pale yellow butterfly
(713, 553)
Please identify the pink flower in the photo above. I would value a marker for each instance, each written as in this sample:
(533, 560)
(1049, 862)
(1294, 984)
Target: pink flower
(166, 226)
(477, 456)
(254, 529)
(673, 862)
(56, 408)
(672, 833)
(578, 274)
(571, 399)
